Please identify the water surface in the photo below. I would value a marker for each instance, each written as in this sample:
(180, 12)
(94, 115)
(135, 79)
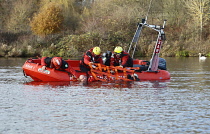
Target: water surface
(181, 105)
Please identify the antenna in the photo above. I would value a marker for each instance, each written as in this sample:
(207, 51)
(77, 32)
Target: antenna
(149, 8)
(138, 32)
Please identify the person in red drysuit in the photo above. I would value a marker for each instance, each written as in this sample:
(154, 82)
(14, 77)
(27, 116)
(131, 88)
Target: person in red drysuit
(90, 57)
(121, 58)
(53, 62)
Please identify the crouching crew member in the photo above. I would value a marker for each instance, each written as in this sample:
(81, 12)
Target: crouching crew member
(90, 57)
(54, 62)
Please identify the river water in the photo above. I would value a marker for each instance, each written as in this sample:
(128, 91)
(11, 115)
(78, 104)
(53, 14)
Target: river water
(181, 105)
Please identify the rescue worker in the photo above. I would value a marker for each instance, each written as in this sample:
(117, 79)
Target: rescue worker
(90, 57)
(106, 58)
(121, 58)
(54, 62)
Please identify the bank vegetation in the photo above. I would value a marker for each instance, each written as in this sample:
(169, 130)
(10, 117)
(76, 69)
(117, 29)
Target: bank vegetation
(68, 28)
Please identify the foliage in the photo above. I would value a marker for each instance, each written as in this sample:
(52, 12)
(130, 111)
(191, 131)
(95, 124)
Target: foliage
(73, 45)
(182, 54)
(199, 10)
(80, 25)
(175, 14)
(208, 54)
(20, 13)
(70, 12)
(15, 50)
(48, 21)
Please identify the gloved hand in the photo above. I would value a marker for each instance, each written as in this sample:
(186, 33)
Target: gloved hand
(90, 63)
(93, 66)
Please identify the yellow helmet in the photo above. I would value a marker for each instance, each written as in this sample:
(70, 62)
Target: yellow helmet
(118, 49)
(97, 50)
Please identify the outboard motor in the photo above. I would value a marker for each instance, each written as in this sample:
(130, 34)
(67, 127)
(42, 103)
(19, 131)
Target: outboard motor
(162, 64)
(106, 57)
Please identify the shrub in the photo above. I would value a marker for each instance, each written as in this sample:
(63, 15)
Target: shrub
(48, 21)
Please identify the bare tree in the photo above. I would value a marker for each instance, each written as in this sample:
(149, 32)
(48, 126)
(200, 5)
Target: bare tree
(198, 9)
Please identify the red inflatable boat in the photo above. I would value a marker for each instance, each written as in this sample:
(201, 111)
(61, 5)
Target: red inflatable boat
(33, 68)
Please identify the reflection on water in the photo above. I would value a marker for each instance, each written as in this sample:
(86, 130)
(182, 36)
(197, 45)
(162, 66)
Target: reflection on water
(119, 85)
(180, 105)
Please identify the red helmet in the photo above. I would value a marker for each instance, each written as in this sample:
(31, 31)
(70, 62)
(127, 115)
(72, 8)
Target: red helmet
(57, 62)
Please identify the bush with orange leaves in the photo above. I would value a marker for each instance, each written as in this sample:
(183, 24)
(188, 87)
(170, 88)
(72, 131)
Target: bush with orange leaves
(48, 21)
